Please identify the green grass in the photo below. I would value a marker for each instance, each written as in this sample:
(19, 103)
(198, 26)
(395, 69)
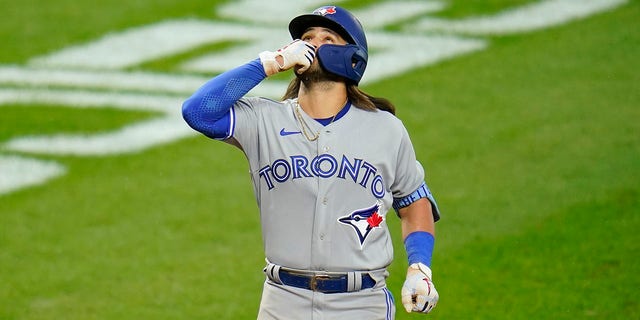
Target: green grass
(21, 120)
(541, 137)
(37, 27)
(532, 148)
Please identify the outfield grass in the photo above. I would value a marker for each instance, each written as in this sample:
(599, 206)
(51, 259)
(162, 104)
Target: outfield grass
(532, 148)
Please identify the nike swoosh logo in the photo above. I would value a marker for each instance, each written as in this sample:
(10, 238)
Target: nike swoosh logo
(288, 133)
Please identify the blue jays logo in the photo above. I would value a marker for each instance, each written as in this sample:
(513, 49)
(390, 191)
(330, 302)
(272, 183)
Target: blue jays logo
(363, 221)
(325, 10)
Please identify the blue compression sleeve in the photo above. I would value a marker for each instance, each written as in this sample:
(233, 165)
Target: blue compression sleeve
(207, 110)
(419, 246)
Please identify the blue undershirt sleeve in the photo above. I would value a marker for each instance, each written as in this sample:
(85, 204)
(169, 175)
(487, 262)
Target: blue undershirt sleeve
(208, 110)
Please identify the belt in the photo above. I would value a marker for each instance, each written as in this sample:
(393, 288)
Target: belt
(327, 283)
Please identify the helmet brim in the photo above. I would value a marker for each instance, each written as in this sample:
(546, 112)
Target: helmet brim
(299, 25)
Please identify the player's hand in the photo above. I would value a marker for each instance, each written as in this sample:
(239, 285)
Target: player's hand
(418, 292)
(297, 54)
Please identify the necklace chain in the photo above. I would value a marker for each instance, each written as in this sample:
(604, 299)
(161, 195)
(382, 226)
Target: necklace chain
(304, 125)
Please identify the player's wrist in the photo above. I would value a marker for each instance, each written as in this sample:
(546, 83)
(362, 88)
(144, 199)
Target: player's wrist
(419, 246)
(421, 268)
(270, 62)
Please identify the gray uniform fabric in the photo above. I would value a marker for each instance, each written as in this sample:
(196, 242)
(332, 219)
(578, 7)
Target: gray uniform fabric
(324, 203)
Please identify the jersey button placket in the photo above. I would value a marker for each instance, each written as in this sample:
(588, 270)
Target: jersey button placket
(322, 218)
(327, 135)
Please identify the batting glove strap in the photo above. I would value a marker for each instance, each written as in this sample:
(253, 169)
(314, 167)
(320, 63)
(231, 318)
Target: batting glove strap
(297, 53)
(269, 62)
(418, 292)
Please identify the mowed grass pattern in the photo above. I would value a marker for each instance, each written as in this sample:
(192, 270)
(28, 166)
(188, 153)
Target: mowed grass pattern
(532, 148)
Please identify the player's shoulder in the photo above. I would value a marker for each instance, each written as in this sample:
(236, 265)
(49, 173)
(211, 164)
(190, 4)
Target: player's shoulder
(262, 105)
(380, 117)
(260, 101)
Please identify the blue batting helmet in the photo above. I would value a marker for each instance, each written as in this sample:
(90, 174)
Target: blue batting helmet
(348, 61)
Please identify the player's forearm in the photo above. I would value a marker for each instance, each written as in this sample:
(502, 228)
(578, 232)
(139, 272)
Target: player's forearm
(216, 97)
(418, 231)
(417, 217)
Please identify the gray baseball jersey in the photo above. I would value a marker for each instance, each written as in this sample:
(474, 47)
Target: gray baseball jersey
(323, 203)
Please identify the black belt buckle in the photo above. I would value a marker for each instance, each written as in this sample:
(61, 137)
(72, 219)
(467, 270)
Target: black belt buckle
(313, 282)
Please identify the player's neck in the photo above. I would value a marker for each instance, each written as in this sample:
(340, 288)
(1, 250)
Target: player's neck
(323, 100)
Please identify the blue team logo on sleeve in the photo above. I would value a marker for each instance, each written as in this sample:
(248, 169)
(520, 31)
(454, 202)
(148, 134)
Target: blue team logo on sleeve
(363, 221)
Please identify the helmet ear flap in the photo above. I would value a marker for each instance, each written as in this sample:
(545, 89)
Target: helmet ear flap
(348, 61)
(359, 62)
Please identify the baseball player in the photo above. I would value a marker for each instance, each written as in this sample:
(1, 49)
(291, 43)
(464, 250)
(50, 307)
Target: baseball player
(327, 164)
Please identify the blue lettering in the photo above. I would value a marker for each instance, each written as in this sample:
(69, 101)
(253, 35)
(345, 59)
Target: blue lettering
(316, 166)
(284, 176)
(324, 166)
(377, 187)
(299, 167)
(264, 172)
(351, 169)
(368, 172)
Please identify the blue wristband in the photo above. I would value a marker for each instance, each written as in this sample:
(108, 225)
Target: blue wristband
(419, 246)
